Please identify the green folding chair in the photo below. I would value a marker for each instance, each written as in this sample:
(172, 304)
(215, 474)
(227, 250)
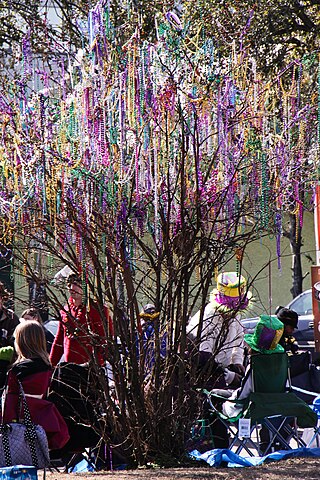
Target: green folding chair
(271, 406)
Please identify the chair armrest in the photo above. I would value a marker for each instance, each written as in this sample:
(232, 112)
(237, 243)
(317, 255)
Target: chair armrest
(216, 393)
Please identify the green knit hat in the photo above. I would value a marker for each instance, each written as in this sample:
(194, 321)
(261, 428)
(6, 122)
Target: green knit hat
(6, 353)
(266, 335)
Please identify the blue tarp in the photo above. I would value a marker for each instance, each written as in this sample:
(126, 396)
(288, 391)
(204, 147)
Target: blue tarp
(219, 456)
(82, 466)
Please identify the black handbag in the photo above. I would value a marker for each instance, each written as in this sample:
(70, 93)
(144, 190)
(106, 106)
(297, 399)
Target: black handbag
(23, 442)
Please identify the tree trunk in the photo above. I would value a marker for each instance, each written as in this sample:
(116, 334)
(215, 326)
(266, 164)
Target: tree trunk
(296, 244)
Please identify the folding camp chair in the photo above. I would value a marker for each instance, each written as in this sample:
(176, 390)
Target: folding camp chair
(271, 407)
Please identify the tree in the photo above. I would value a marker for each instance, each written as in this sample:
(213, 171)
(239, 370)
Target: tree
(150, 176)
(274, 32)
(50, 33)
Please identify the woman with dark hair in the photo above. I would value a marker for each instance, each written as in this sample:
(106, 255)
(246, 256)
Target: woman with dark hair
(30, 314)
(33, 369)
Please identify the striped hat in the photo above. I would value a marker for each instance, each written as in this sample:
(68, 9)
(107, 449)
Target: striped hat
(231, 292)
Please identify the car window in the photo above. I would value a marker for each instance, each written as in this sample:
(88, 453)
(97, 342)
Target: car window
(302, 304)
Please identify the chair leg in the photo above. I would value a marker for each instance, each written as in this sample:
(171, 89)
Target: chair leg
(269, 432)
(258, 430)
(276, 433)
(284, 432)
(246, 443)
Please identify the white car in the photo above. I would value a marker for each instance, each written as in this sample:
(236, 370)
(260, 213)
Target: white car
(302, 304)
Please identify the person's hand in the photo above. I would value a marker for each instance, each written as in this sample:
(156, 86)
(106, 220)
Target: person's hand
(232, 379)
(237, 368)
(236, 382)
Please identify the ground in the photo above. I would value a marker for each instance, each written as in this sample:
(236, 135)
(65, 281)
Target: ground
(298, 468)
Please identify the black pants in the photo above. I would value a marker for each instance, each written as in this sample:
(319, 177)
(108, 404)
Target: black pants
(218, 429)
(220, 434)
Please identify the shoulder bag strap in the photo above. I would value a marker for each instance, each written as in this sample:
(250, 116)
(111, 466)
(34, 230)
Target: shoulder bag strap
(4, 428)
(26, 412)
(3, 402)
(30, 434)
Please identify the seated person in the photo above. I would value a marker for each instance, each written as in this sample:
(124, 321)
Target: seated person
(265, 339)
(33, 369)
(220, 343)
(73, 392)
(149, 318)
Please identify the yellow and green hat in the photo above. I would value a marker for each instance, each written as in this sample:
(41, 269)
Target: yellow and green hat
(266, 335)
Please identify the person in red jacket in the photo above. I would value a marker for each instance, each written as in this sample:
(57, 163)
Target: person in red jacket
(81, 334)
(32, 368)
(81, 338)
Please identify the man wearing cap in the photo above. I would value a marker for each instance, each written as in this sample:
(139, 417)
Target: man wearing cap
(289, 318)
(148, 317)
(81, 338)
(221, 337)
(81, 330)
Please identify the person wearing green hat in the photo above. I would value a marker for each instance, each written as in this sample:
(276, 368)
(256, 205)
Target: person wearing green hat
(266, 335)
(264, 340)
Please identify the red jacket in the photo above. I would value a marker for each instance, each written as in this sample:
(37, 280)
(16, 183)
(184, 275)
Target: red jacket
(35, 377)
(79, 334)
